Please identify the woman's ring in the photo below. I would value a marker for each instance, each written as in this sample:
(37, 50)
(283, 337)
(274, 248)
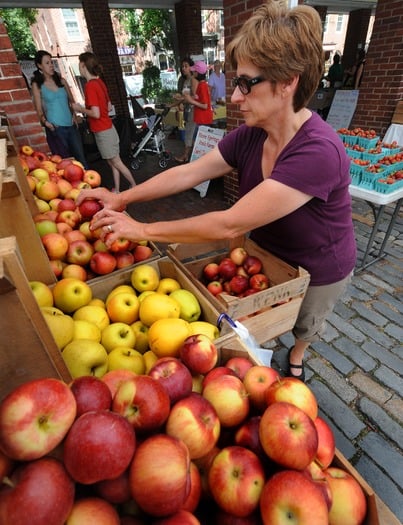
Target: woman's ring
(109, 228)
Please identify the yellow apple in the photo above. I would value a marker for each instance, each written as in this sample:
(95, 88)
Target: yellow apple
(41, 205)
(144, 277)
(118, 334)
(168, 285)
(123, 307)
(60, 325)
(84, 357)
(96, 301)
(120, 289)
(158, 306)
(141, 332)
(94, 314)
(206, 328)
(149, 360)
(86, 330)
(123, 358)
(42, 293)
(143, 295)
(166, 336)
(70, 294)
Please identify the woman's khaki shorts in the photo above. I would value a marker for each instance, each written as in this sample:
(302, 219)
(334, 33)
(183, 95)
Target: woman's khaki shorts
(108, 143)
(317, 305)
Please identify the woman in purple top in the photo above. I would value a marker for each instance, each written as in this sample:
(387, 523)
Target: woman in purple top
(292, 167)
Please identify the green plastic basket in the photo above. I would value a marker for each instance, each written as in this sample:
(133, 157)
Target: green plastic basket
(367, 143)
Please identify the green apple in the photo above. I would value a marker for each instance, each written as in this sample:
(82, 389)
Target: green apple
(94, 314)
(123, 358)
(190, 309)
(144, 277)
(42, 293)
(84, 357)
(141, 332)
(70, 294)
(206, 328)
(117, 334)
(45, 226)
(86, 330)
(60, 324)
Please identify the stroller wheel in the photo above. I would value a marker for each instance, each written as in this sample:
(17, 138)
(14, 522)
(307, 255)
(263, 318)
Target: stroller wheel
(163, 162)
(135, 164)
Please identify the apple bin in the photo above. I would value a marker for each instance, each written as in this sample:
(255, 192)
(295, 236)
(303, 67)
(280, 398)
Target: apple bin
(266, 314)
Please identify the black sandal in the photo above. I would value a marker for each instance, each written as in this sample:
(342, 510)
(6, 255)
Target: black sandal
(301, 377)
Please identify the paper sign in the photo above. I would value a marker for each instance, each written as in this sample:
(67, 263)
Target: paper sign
(206, 140)
(342, 109)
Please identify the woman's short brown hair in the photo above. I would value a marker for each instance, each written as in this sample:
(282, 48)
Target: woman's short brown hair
(282, 43)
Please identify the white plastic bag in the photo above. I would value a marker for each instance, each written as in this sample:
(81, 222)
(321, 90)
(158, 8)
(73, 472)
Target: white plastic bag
(262, 355)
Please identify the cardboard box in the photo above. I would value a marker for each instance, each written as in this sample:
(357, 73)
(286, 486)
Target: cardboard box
(266, 314)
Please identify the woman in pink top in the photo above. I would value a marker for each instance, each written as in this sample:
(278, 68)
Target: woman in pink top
(97, 108)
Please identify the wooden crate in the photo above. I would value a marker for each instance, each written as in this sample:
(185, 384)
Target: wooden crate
(266, 314)
(28, 350)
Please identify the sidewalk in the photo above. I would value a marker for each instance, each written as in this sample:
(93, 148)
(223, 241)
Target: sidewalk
(356, 370)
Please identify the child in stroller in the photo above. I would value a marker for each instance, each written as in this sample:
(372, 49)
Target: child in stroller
(149, 136)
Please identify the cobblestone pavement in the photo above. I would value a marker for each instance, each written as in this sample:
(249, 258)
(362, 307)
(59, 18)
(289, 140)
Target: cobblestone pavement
(356, 370)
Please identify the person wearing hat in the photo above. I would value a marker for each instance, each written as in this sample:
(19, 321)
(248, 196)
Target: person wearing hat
(203, 112)
(216, 82)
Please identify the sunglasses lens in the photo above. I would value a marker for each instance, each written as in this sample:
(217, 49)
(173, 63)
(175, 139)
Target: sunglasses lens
(242, 83)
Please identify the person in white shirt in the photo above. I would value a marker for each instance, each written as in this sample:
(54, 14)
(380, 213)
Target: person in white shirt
(216, 82)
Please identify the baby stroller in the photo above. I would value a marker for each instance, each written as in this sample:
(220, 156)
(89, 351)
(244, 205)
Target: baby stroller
(149, 136)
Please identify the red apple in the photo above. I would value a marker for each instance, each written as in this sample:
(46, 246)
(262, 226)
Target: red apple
(174, 376)
(141, 253)
(56, 245)
(215, 287)
(116, 491)
(238, 255)
(46, 190)
(100, 246)
(256, 381)
(64, 187)
(238, 284)
(99, 445)
(236, 479)
(194, 420)
(32, 162)
(292, 390)
(229, 397)
(252, 265)
(240, 365)
(91, 393)
(57, 266)
(182, 517)
(73, 172)
(102, 263)
(120, 245)
(63, 228)
(217, 372)
(143, 401)
(193, 499)
(211, 271)
(6, 465)
(74, 235)
(35, 417)
(247, 435)
(88, 208)
(74, 271)
(288, 435)
(314, 471)
(349, 505)
(160, 475)
(93, 178)
(326, 443)
(66, 204)
(199, 353)
(227, 269)
(291, 495)
(259, 281)
(114, 378)
(24, 502)
(124, 259)
(70, 217)
(40, 155)
(91, 509)
(79, 252)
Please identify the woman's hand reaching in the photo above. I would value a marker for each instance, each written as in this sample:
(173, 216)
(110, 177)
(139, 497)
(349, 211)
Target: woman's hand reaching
(108, 200)
(117, 225)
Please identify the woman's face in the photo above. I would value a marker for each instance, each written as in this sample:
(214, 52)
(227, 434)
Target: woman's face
(46, 65)
(186, 69)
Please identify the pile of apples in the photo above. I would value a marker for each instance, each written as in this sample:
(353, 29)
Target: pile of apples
(239, 273)
(74, 250)
(242, 446)
(138, 322)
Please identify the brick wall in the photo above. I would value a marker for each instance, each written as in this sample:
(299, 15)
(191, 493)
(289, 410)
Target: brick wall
(382, 84)
(15, 98)
(189, 31)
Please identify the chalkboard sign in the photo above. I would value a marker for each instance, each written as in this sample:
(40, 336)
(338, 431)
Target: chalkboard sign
(206, 140)
(342, 109)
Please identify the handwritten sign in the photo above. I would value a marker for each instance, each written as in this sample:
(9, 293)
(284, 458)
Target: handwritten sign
(206, 140)
(342, 109)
